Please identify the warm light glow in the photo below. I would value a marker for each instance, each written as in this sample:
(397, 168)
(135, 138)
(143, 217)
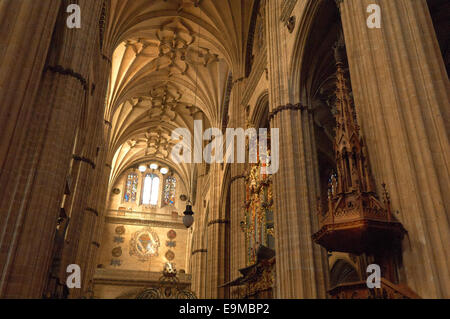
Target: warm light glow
(164, 170)
(154, 166)
(155, 191)
(151, 190)
(142, 168)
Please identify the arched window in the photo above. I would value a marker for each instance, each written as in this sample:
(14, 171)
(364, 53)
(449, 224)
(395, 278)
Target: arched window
(169, 191)
(131, 188)
(150, 191)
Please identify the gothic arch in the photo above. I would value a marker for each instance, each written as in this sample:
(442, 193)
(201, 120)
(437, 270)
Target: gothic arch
(302, 35)
(313, 78)
(342, 272)
(250, 38)
(184, 81)
(260, 113)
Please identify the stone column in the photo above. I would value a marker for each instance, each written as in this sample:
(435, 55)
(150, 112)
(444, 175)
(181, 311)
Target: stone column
(199, 267)
(82, 206)
(401, 92)
(93, 212)
(26, 31)
(216, 232)
(196, 263)
(300, 265)
(198, 246)
(97, 234)
(193, 268)
(47, 151)
(95, 207)
(237, 189)
(204, 271)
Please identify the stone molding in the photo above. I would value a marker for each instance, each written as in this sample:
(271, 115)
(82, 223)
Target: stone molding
(89, 209)
(151, 223)
(218, 221)
(84, 160)
(69, 72)
(133, 277)
(294, 107)
(199, 251)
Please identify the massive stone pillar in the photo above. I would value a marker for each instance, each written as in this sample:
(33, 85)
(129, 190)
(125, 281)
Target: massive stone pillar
(196, 263)
(237, 190)
(216, 239)
(199, 250)
(300, 264)
(401, 92)
(84, 205)
(91, 229)
(95, 209)
(26, 31)
(35, 199)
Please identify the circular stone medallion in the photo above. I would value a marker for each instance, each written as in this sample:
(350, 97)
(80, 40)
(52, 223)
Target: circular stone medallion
(170, 255)
(117, 252)
(120, 230)
(172, 234)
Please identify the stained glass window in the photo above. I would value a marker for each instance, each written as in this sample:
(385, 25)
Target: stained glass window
(169, 191)
(150, 191)
(131, 188)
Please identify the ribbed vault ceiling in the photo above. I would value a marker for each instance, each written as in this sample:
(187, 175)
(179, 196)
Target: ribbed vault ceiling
(170, 64)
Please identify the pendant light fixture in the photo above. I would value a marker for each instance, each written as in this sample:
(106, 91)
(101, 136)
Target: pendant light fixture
(188, 218)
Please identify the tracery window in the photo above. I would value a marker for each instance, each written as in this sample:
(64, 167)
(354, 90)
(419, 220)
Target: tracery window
(131, 188)
(169, 191)
(151, 189)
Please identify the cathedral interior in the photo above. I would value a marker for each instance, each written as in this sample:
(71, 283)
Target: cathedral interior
(89, 184)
